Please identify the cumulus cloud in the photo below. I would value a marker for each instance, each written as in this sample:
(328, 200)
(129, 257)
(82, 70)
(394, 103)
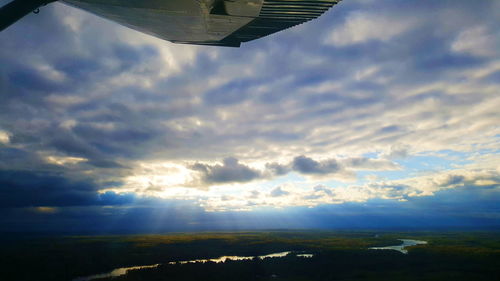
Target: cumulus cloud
(277, 169)
(230, 171)
(307, 165)
(323, 189)
(484, 183)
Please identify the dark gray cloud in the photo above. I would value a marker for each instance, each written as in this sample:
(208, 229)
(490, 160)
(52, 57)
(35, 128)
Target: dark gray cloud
(277, 169)
(32, 189)
(307, 166)
(454, 179)
(230, 171)
(233, 171)
(447, 209)
(321, 188)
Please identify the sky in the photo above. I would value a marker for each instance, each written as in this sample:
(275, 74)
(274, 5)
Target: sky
(378, 114)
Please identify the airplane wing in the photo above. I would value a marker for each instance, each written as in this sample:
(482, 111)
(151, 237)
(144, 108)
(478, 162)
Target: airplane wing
(206, 22)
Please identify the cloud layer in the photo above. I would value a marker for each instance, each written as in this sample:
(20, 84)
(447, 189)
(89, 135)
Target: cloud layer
(372, 101)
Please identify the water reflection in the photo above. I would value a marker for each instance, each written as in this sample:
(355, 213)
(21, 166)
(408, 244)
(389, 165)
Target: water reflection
(123, 270)
(401, 248)
(235, 258)
(305, 255)
(116, 272)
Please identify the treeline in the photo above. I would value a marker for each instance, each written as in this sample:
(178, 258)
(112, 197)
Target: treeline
(333, 265)
(64, 258)
(339, 256)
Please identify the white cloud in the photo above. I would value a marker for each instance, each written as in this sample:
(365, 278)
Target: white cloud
(400, 190)
(368, 164)
(61, 160)
(158, 107)
(165, 180)
(478, 41)
(4, 137)
(360, 27)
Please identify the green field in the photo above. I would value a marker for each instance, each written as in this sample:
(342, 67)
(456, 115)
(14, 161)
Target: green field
(339, 255)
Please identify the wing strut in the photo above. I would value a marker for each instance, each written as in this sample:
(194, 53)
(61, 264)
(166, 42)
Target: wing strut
(17, 9)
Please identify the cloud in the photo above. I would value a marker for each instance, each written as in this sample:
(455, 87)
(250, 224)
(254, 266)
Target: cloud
(278, 192)
(276, 169)
(4, 137)
(230, 171)
(398, 151)
(121, 107)
(254, 194)
(483, 181)
(448, 209)
(363, 163)
(306, 165)
(394, 83)
(477, 40)
(324, 189)
(31, 189)
(361, 27)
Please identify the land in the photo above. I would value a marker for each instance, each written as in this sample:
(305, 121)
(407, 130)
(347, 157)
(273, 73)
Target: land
(338, 255)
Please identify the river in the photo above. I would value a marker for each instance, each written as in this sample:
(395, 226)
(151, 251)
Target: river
(401, 248)
(123, 270)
